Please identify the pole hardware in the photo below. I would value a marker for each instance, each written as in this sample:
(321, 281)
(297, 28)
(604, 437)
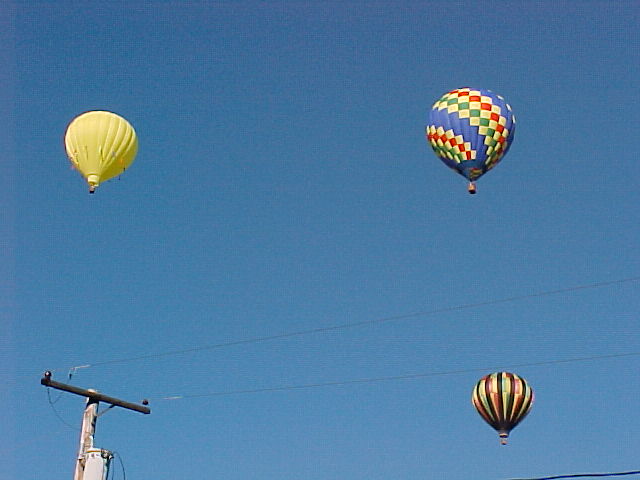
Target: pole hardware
(93, 395)
(92, 463)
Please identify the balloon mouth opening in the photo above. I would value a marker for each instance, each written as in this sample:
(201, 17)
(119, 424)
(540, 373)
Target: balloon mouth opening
(93, 180)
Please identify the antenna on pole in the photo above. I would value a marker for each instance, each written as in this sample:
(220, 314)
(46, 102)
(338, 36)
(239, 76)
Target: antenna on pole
(92, 463)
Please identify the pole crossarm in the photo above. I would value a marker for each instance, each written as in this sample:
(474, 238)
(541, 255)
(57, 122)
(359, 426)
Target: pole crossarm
(93, 395)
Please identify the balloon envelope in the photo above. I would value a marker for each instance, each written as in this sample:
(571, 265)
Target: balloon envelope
(470, 130)
(100, 145)
(502, 399)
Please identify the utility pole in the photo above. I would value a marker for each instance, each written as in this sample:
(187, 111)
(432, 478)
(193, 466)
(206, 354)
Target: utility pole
(92, 463)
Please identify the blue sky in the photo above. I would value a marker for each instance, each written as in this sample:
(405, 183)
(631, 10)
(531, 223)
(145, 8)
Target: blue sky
(283, 184)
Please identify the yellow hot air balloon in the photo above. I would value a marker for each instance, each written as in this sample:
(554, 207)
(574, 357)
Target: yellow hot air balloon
(100, 145)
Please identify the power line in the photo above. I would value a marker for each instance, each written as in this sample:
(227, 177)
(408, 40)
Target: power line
(362, 323)
(579, 475)
(396, 377)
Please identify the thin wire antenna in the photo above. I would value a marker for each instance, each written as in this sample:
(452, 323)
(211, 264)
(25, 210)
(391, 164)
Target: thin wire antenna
(582, 475)
(362, 323)
(72, 371)
(57, 414)
(392, 378)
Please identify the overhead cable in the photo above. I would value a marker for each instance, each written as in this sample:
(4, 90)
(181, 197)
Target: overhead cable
(396, 377)
(582, 475)
(362, 323)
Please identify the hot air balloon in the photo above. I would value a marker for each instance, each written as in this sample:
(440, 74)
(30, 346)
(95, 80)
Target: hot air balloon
(100, 145)
(502, 399)
(470, 130)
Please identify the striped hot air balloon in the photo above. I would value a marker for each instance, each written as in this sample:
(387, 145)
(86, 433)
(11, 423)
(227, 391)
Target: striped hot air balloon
(100, 145)
(502, 399)
(470, 130)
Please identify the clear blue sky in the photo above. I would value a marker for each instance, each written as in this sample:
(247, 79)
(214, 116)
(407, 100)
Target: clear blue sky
(283, 183)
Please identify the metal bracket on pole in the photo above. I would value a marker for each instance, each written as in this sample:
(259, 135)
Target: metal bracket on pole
(89, 419)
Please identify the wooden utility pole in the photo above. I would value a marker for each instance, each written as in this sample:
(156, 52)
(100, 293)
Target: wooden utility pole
(86, 435)
(89, 417)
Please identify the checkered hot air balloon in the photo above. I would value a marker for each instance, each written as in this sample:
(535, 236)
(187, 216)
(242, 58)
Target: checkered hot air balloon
(470, 130)
(502, 399)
